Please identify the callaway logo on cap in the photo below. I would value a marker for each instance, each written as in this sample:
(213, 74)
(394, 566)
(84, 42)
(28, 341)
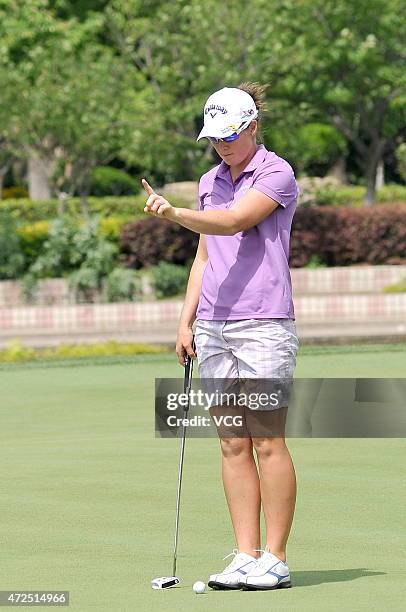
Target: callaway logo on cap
(225, 111)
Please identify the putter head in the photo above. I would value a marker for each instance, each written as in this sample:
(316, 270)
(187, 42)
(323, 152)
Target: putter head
(164, 583)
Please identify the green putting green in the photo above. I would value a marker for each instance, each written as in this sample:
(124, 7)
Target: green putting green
(88, 495)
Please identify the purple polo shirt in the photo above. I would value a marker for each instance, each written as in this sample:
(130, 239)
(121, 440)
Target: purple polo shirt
(247, 275)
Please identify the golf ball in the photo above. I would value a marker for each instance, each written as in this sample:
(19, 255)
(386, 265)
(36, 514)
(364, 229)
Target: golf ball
(199, 587)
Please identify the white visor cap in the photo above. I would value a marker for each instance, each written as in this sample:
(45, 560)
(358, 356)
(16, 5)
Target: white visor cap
(225, 111)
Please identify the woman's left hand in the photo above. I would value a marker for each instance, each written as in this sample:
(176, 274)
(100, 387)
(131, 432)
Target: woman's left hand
(156, 205)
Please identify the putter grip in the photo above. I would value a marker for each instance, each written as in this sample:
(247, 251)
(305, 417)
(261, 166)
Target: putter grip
(189, 369)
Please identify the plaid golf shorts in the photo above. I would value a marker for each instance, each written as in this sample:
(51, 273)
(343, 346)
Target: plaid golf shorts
(229, 351)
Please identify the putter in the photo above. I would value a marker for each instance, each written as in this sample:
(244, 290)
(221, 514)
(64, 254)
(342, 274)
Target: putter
(170, 581)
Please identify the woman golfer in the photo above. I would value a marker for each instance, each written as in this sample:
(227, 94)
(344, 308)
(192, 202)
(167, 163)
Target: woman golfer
(239, 294)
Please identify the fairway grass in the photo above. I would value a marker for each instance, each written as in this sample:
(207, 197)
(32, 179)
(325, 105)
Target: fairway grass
(88, 495)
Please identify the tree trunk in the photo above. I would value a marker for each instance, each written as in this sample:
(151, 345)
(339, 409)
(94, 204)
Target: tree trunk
(369, 197)
(337, 170)
(380, 175)
(38, 178)
(375, 152)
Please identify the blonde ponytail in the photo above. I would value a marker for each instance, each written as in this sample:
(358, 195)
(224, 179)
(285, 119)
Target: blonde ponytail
(257, 92)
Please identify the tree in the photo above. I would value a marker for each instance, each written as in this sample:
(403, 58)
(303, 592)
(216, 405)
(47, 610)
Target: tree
(5, 161)
(347, 61)
(64, 95)
(185, 50)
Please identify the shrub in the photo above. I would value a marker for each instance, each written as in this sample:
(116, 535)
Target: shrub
(401, 159)
(323, 192)
(168, 279)
(14, 193)
(148, 241)
(12, 260)
(58, 255)
(399, 287)
(95, 257)
(345, 236)
(123, 285)
(108, 181)
(33, 237)
(17, 352)
(316, 261)
(85, 283)
(391, 192)
(30, 211)
(76, 251)
(92, 250)
(308, 229)
(110, 227)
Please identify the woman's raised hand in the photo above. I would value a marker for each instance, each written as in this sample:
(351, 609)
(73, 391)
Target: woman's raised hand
(156, 205)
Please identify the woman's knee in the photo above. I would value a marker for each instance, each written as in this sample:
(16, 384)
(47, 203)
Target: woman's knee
(267, 447)
(236, 447)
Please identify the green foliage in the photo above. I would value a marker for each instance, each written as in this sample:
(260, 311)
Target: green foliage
(123, 206)
(80, 253)
(123, 285)
(315, 261)
(33, 237)
(58, 255)
(29, 283)
(14, 193)
(401, 159)
(91, 250)
(83, 86)
(313, 147)
(344, 236)
(168, 279)
(399, 287)
(85, 283)
(12, 259)
(391, 193)
(353, 195)
(110, 227)
(94, 257)
(108, 181)
(17, 352)
(63, 92)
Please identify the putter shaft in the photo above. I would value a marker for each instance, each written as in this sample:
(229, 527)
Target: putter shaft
(186, 389)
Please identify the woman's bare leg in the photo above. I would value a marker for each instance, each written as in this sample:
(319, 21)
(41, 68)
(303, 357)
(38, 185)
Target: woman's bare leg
(242, 490)
(278, 491)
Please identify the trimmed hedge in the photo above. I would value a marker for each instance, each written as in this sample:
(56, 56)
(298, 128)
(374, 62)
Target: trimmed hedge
(17, 352)
(14, 193)
(337, 236)
(353, 195)
(30, 211)
(149, 241)
(347, 236)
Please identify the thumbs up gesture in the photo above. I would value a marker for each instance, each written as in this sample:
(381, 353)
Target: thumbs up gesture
(156, 205)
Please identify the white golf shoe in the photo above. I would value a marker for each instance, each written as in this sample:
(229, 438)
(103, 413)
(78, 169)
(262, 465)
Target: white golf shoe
(230, 577)
(269, 573)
